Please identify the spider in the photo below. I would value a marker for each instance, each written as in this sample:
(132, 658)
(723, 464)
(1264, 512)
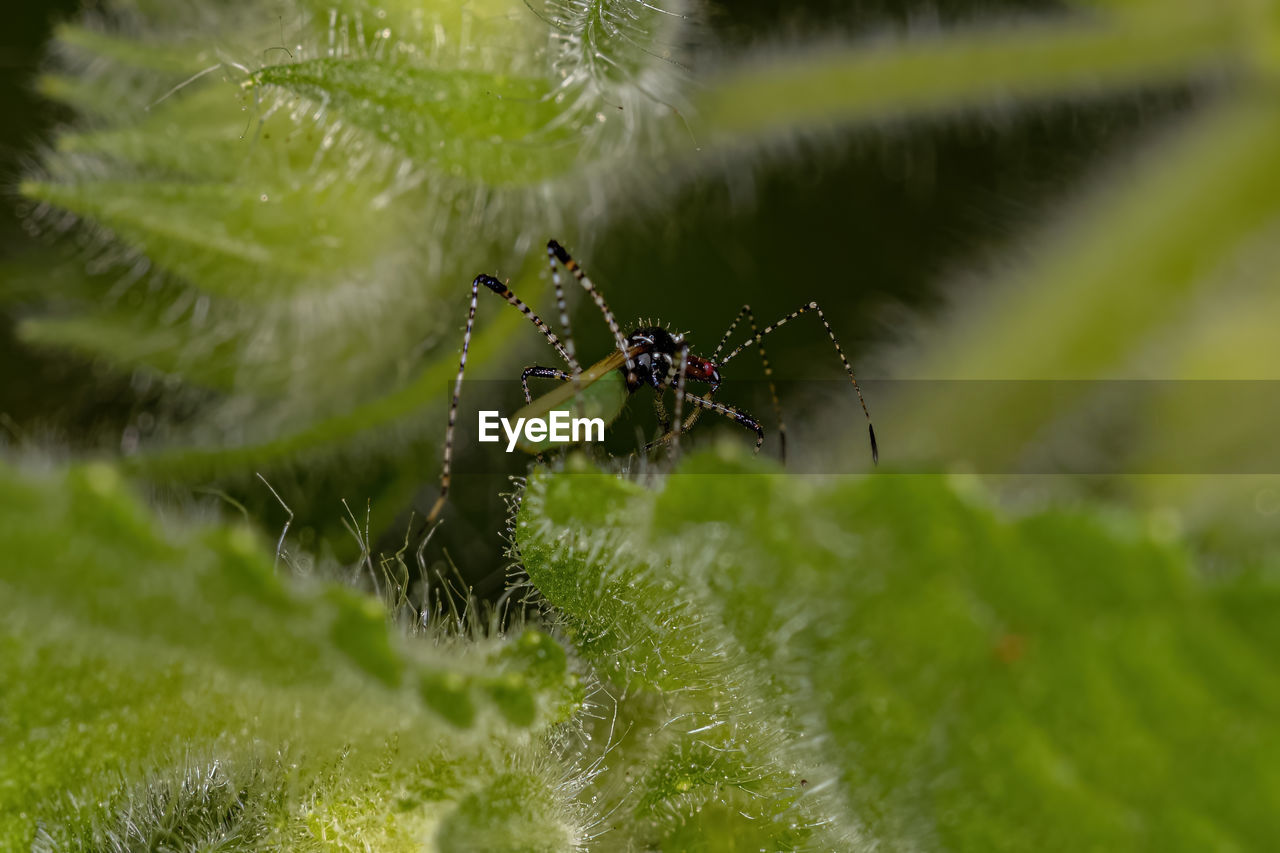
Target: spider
(650, 355)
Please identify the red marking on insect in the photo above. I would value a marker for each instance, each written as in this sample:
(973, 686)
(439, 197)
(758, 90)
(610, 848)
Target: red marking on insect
(702, 370)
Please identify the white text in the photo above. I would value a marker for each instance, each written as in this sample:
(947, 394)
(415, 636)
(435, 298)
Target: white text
(557, 427)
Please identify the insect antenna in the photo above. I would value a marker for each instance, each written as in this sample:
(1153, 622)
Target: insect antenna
(805, 309)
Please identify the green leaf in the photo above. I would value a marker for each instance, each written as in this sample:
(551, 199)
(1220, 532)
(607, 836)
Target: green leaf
(991, 66)
(156, 677)
(893, 656)
(493, 128)
(509, 814)
(1118, 276)
(158, 55)
(318, 210)
(419, 399)
(129, 340)
(101, 97)
(1129, 260)
(253, 244)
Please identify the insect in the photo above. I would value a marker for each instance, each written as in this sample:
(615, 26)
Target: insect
(648, 356)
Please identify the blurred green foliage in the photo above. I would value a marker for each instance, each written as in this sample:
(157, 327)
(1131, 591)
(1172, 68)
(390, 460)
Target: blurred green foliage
(890, 660)
(164, 688)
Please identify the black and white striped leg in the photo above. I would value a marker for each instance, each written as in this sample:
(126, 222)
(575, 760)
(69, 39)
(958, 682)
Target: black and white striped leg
(555, 250)
(768, 373)
(564, 311)
(674, 378)
(563, 348)
(541, 373)
(544, 373)
(680, 379)
(736, 415)
(813, 306)
(502, 290)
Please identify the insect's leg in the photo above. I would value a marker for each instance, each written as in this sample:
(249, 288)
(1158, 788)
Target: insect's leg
(724, 339)
(557, 251)
(545, 373)
(564, 312)
(505, 292)
(848, 368)
(736, 415)
(502, 290)
(453, 404)
(768, 373)
(674, 378)
(664, 422)
(680, 378)
(728, 333)
(541, 373)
